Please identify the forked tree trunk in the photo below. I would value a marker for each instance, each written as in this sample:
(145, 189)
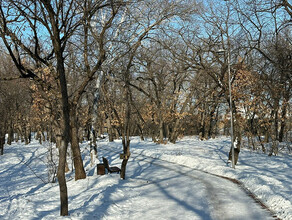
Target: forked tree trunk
(175, 130)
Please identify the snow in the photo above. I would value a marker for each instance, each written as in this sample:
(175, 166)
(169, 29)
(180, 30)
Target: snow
(162, 182)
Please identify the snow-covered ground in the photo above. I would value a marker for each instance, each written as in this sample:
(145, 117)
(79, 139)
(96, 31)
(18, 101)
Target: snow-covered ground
(163, 182)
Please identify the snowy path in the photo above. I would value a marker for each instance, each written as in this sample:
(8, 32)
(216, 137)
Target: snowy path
(220, 197)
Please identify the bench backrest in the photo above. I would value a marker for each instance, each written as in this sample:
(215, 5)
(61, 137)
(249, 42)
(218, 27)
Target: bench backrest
(105, 162)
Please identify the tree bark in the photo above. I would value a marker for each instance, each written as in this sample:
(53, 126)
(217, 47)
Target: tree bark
(141, 132)
(10, 134)
(177, 123)
(77, 159)
(161, 136)
(66, 138)
(126, 151)
(2, 141)
(62, 179)
(1, 148)
(126, 127)
(66, 122)
(283, 120)
(27, 132)
(110, 130)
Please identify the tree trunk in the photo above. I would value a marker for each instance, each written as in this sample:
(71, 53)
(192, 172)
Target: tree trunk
(43, 135)
(110, 130)
(2, 141)
(237, 137)
(93, 147)
(175, 131)
(126, 151)
(27, 135)
(203, 125)
(77, 159)
(20, 132)
(274, 115)
(10, 134)
(100, 129)
(212, 119)
(59, 143)
(262, 144)
(283, 121)
(62, 179)
(141, 132)
(123, 168)
(39, 136)
(17, 136)
(161, 130)
(126, 127)
(66, 124)
(153, 132)
(237, 130)
(1, 147)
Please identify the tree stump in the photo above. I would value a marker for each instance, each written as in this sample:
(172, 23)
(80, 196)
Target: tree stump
(236, 152)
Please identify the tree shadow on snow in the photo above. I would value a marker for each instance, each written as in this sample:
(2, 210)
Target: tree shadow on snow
(114, 199)
(221, 151)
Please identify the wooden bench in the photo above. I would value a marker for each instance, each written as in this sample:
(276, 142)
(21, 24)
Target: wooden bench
(110, 169)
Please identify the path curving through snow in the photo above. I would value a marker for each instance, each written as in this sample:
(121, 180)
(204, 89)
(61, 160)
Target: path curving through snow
(224, 199)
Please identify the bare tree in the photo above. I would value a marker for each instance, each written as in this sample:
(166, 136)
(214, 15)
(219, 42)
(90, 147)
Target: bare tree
(36, 34)
(266, 27)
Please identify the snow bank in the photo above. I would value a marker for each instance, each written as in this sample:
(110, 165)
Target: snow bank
(269, 178)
